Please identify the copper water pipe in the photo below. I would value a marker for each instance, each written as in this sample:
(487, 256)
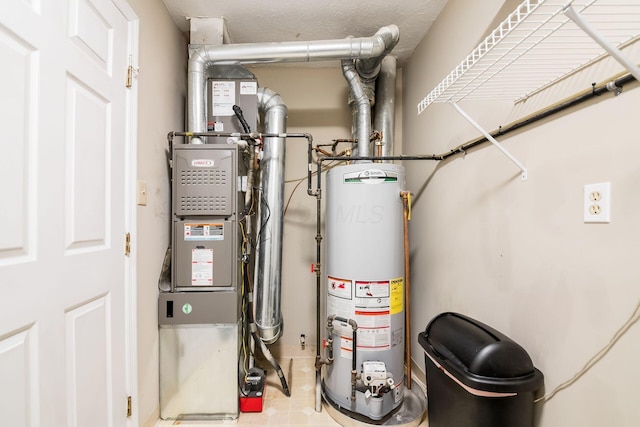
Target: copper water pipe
(406, 204)
(378, 145)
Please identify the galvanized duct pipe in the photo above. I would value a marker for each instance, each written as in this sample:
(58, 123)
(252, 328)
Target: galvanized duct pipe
(203, 56)
(362, 76)
(384, 116)
(361, 106)
(368, 68)
(269, 257)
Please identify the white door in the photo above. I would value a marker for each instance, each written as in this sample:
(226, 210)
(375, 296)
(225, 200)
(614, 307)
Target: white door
(64, 142)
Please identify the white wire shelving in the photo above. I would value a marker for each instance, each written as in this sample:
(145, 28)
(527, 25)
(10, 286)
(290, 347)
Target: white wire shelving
(536, 45)
(539, 43)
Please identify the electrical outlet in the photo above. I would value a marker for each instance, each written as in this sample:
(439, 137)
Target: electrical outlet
(597, 202)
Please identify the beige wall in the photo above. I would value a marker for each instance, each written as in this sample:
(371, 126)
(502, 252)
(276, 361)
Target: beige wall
(517, 255)
(161, 98)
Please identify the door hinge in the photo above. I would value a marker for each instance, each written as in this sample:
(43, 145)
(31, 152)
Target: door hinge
(129, 76)
(130, 71)
(127, 244)
(128, 406)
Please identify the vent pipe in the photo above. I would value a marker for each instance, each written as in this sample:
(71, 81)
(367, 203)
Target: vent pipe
(368, 68)
(384, 116)
(269, 236)
(360, 105)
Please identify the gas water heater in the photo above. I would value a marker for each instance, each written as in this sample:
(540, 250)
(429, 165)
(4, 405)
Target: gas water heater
(365, 288)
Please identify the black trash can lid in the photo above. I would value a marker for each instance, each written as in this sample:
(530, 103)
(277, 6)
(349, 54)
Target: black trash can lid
(476, 348)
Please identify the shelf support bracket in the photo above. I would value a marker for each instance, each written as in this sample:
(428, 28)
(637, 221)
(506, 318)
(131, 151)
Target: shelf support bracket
(491, 139)
(579, 20)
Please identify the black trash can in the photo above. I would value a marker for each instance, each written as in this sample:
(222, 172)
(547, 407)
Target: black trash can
(476, 376)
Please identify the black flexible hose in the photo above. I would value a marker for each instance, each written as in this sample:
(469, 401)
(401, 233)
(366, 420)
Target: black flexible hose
(272, 360)
(254, 333)
(240, 115)
(238, 112)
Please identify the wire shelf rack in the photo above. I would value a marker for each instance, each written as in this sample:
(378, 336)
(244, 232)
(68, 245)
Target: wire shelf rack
(538, 44)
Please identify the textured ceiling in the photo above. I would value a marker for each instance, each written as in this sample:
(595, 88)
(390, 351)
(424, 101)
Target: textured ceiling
(256, 21)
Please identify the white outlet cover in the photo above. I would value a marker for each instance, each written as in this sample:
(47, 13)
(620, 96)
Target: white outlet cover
(597, 211)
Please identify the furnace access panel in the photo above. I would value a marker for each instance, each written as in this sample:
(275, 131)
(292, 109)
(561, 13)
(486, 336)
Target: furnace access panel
(205, 241)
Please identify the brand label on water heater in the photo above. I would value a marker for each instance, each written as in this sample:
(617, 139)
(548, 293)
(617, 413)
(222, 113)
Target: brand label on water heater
(370, 176)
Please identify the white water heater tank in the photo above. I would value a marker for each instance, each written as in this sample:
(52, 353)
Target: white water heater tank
(365, 283)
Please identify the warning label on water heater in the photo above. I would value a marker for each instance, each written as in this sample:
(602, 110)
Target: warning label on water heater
(396, 302)
(373, 316)
(340, 288)
(369, 304)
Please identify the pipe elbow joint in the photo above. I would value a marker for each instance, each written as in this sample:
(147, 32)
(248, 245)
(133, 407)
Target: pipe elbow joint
(268, 100)
(197, 58)
(348, 69)
(390, 35)
(386, 39)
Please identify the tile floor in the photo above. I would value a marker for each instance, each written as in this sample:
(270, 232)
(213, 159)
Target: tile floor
(279, 410)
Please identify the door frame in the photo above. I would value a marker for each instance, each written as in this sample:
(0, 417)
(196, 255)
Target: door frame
(131, 172)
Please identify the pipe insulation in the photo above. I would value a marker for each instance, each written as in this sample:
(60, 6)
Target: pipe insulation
(269, 255)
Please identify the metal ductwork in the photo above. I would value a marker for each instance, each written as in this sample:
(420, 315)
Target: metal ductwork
(269, 260)
(368, 50)
(365, 78)
(368, 68)
(360, 105)
(203, 56)
(384, 116)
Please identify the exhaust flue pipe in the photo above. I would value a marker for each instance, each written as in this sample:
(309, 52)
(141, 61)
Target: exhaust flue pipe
(368, 68)
(269, 235)
(384, 116)
(360, 105)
